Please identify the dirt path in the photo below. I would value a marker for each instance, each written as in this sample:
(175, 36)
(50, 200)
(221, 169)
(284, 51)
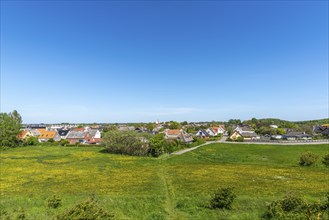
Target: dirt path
(192, 148)
(169, 193)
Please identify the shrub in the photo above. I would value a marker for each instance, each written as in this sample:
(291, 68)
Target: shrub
(54, 202)
(87, 210)
(294, 207)
(292, 203)
(223, 198)
(308, 159)
(64, 142)
(239, 139)
(51, 140)
(31, 141)
(325, 160)
(290, 207)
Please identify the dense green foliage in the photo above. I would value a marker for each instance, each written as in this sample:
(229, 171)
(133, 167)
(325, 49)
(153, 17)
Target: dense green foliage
(295, 207)
(31, 141)
(325, 160)
(262, 126)
(10, 125)
(126, 142)
(223, 198)
(54, 202)
(174, 125)
(168, 187)
(308, 159)
(64, 142)
(142, 144)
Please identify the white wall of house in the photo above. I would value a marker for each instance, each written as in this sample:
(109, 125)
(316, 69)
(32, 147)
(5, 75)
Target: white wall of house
(211, 132)
(98, 134)
(221, 130)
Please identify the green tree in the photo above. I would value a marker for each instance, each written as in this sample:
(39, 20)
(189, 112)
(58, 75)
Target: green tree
(150, 126)
(234, 121)
(126, 142)
(184, 123)
(280, 131)
(174, 125)
(157, 145)
(10, 125)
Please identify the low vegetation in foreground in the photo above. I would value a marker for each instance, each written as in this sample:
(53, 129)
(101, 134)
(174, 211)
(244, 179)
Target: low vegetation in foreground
(257, 181)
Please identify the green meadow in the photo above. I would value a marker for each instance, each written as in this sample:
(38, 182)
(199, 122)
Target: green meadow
(169, 187)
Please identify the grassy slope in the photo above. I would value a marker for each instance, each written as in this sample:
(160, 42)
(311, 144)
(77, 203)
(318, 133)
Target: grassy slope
(175, 187)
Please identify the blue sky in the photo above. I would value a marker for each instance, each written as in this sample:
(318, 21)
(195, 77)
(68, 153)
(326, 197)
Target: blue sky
(139, 61)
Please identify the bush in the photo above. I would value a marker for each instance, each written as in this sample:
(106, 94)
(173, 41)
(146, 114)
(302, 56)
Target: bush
(292, 203)
(87, 210)
(294, 207)
(51, 140)
(31, 141)
(308, 159)
(64, 142)
(325, 160)
(223, 198)
(54, 202)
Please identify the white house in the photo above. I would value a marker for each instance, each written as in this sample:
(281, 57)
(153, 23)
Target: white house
(243, 129)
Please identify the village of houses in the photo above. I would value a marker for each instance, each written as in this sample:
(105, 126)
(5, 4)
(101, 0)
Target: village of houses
(92, 134)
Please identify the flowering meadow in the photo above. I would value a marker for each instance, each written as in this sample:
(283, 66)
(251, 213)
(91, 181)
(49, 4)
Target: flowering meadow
(169, 187)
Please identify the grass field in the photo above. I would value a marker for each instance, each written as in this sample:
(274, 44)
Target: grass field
(169, 187)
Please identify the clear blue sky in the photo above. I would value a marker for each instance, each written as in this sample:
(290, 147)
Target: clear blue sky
(139, 61)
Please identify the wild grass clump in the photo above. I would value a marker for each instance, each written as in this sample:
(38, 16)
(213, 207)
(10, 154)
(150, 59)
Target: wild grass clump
(54, 202)
(87, 210)
(18, 213)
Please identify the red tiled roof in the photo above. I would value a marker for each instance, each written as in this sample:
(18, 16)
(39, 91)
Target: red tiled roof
(78, 129)
(215, 129)
(173, 132)
(22, 134)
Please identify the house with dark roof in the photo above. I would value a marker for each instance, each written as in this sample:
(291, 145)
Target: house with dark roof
(36, 126)
(297, 136)
(202, 133)
(214, 131)
(63, 133)
(185, 137)
(322, 129)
